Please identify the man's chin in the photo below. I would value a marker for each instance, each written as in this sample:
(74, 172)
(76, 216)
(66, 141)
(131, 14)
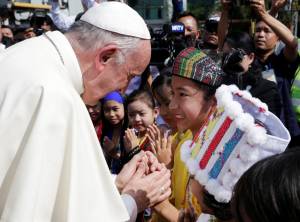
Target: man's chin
(262, 50)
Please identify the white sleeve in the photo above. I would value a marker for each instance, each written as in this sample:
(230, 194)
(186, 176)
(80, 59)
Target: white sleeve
(130, 206)
(62, 21)
(129, 203)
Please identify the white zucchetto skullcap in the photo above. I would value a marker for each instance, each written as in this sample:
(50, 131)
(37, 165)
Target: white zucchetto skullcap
(117, 17)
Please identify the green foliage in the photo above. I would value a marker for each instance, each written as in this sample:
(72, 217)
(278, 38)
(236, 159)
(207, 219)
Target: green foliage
(202, 9)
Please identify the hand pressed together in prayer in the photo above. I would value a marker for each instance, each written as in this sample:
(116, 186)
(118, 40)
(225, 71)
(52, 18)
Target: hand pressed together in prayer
(130, 140)
(143, 178)
(110, 148)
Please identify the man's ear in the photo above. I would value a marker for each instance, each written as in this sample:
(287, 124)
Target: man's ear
(104, 54)
(198, 34)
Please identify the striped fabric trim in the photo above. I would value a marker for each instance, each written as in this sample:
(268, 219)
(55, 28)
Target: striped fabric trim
(214, 143)
(207, 132)
(228, 148)
(188, 60)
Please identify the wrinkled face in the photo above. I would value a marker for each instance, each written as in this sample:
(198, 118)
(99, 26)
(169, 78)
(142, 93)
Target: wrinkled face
(191, 27)
(264, 37)
(113, 112)
(140, 115)
(188, 104)
(112, 74)
(163, 95)
(134, 65)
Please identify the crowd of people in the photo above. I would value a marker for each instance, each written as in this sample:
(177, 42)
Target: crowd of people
(89, 133)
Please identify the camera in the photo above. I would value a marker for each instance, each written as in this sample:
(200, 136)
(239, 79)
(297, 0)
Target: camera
(231, 65)
(166, 43)
(231, 62)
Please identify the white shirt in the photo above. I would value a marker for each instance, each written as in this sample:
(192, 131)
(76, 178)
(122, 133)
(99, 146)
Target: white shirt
(51, 164)
(63, 21)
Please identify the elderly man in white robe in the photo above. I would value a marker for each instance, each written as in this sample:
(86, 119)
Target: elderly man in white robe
(51, 164)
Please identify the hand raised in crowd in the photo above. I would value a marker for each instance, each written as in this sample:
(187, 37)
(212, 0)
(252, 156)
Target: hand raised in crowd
(161, 144)
(130, 140)
(148, 190)
(226, 4)
(276, 6)
(259, 7)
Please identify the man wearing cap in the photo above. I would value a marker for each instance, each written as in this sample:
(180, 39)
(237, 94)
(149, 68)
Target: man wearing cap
(51, 164)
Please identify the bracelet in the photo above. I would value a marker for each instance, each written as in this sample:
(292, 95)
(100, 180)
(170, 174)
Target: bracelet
(132, 153)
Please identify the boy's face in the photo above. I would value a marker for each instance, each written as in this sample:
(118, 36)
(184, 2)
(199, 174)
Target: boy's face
(188, 105)
(163, 96)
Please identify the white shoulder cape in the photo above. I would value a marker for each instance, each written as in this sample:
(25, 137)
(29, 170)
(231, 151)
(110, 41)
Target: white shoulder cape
(51, 164)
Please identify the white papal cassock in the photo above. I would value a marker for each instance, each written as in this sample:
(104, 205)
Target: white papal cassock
(51, 164)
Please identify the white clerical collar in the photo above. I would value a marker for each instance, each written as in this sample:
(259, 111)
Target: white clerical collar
(68, 58)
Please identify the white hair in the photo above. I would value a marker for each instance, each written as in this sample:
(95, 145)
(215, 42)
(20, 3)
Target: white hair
(90, 38)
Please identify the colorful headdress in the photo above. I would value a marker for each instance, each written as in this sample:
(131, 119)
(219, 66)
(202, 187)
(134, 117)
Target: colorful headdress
(240, 132)
(115, 96)
(193, 64)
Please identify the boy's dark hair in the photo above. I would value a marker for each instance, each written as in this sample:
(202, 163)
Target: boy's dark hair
(270, 189)
(160, 81)
(143, 95)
